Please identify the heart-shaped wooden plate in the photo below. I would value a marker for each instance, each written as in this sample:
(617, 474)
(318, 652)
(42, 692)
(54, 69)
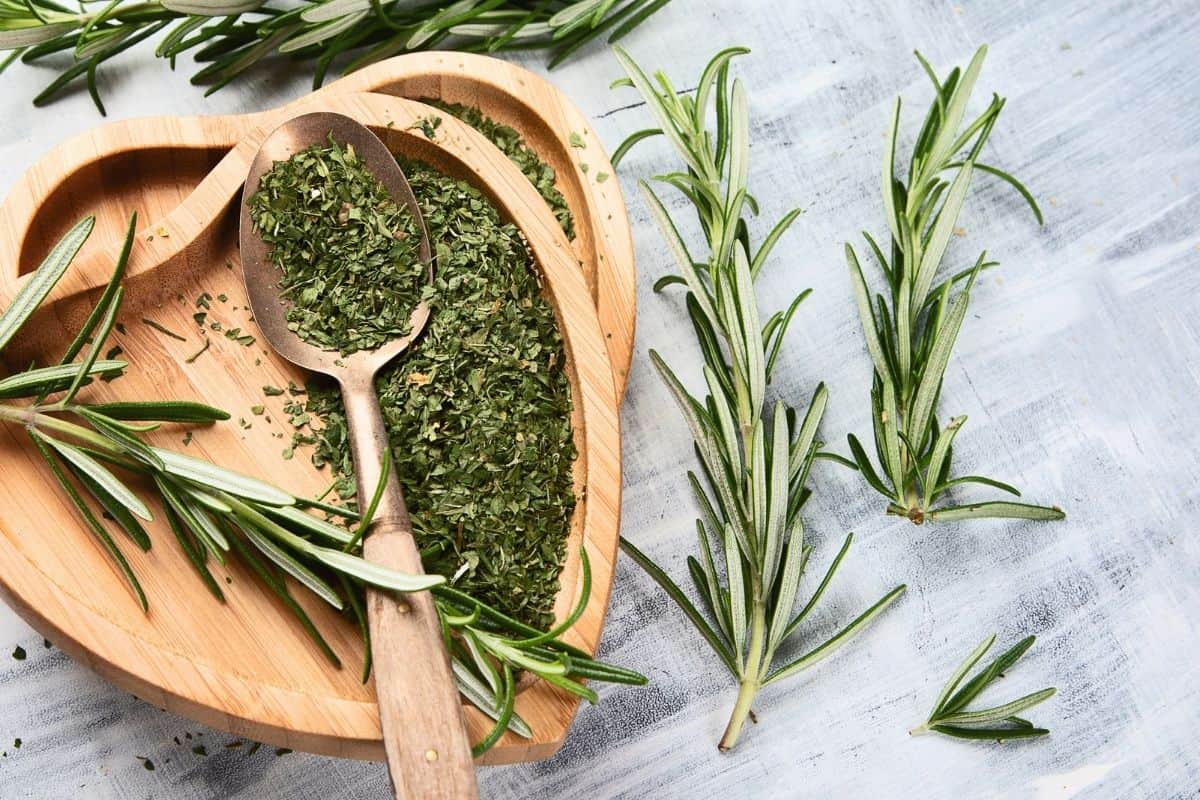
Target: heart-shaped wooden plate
(246, 667)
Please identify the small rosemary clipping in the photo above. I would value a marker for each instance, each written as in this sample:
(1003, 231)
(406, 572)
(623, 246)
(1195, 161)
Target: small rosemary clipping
(754, 461)
(951, 717)
(230, 37)
(97, 454)
(910, 329)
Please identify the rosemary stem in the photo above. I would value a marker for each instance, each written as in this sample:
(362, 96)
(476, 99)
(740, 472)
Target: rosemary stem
(751, 680)
(34, 418)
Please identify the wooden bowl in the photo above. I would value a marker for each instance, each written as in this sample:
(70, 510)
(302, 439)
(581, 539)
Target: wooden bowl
(247, 667)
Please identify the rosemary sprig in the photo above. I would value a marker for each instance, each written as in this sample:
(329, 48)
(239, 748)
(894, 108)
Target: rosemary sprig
(216, 514)
(233, 36)
(910, 332)
(951, 717)
(754, 461)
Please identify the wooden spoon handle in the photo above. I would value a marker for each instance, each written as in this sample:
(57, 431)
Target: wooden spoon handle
(429, 757)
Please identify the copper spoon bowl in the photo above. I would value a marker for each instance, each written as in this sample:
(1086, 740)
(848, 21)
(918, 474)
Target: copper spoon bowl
(428, 753)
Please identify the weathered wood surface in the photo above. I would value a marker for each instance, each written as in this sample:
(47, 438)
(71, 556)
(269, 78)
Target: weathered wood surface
(1078, 368)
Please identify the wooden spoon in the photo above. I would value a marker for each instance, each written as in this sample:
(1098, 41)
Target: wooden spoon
(426, 744)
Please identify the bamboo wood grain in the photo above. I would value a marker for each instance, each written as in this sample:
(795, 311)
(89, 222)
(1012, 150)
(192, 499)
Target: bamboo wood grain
(247, 667)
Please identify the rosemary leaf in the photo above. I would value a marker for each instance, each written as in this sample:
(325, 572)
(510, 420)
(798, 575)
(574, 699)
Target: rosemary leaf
(98, 473)
(93, 524)
(48, 380)
(38, 286)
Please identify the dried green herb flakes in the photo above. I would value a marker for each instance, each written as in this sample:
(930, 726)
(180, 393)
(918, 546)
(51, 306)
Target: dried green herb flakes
(348, 253)
(478, 412)
(509, 142)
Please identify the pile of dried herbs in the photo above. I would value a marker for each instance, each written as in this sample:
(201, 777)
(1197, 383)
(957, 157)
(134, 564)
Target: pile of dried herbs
(509, 142)
(478, 411)
(348, 252)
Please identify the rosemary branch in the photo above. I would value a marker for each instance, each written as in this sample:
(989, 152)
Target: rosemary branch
(951, 717)
(911, 331)
(217, 514)
(230, 37)
(754, 460)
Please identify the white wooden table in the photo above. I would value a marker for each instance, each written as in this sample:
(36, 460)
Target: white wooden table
(1078, 367)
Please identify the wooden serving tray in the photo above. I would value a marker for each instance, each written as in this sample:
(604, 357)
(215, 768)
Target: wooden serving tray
(246, 666)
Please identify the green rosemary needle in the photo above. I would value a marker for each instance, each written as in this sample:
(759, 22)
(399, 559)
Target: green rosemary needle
(911, 327)
(754, 460)
(951, 717)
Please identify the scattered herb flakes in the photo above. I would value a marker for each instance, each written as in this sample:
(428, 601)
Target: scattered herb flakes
(298, 416)
(347, 251)
(509, 142)
(601, 177)
(224, 298)
(187, 439)
(200, 750)
(47, 643)
(484, 448)
(288, 453)
(192, 358)
(576, 140)
(18, 653)
(163, 329)
(272, 391)
(258, 410)
(295, 389)
(203, 300)
(254, 748)
(244, 424)
(200, 317)
(17, 743)
(427, 125)
(120, 328)
(583, 166)
(282, 751)
(147, 764)
(244, 339)
(216, 326)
